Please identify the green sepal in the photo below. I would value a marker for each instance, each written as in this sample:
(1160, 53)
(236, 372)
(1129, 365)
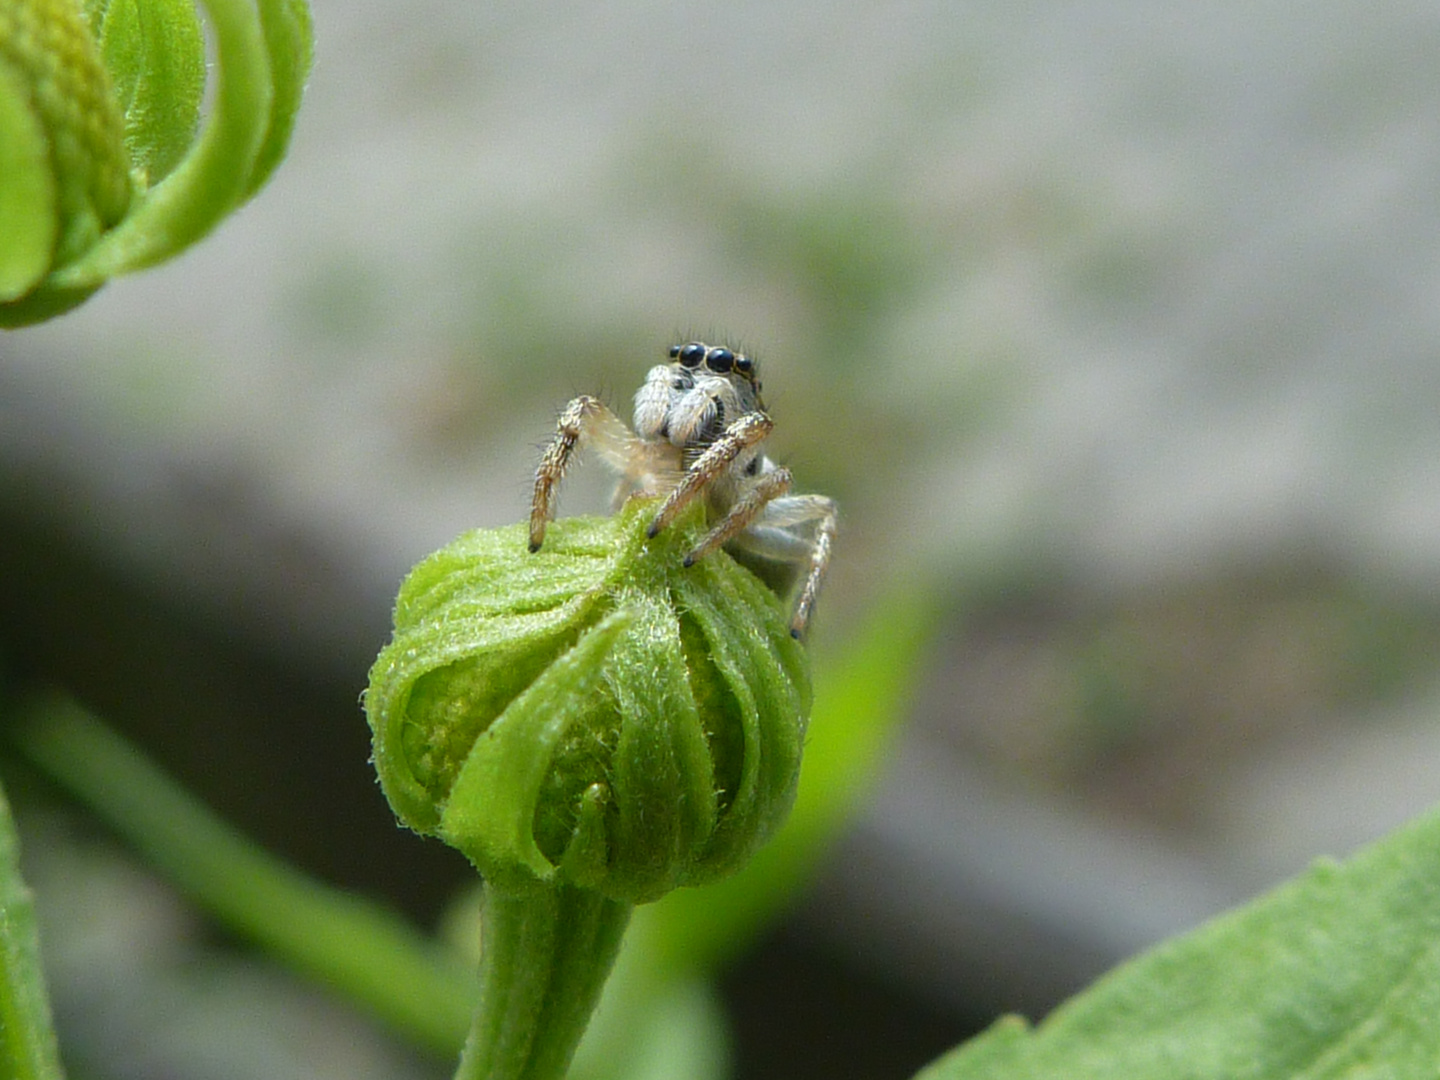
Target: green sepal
(155, 51)
(499, 834)
(290, 48)
(592, 714)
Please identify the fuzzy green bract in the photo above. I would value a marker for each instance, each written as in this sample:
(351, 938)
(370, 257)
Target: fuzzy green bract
(593, 714)
(1335, 974)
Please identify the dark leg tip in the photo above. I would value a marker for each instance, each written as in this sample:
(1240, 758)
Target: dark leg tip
(652, 531)
(795, 632)
(688, 561)
(534, 546)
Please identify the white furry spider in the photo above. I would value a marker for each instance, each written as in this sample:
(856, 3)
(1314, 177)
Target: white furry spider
(699, 426)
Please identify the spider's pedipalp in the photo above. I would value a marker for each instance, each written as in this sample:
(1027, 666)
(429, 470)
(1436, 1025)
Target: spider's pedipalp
(696, 414)
(656, 399)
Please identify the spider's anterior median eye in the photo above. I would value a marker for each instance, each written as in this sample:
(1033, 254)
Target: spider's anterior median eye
(689, 355)
(720, 361)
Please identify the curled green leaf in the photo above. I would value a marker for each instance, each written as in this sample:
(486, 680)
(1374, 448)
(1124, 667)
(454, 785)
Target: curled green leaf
(594, 714)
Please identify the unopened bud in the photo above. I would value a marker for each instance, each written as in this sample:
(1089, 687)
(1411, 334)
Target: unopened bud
(594, 714)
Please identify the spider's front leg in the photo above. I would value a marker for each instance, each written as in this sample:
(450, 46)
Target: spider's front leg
(745, 432)
(585, 420)
(769, 485)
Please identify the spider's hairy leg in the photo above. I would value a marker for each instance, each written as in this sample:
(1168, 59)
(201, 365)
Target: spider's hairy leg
(741, 435)
(821, 509)
(585, 420)
(770, 485)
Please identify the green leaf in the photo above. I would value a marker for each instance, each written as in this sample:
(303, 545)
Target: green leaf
(682, 1034)
(1335, 974)
(27, 1040)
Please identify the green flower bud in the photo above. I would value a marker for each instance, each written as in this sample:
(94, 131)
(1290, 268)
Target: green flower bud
(105, 167)
(64, 173)
(594, 714)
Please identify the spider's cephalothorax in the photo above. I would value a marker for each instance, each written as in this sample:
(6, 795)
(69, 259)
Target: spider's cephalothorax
(699, 427)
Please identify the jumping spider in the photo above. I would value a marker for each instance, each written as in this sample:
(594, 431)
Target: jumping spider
(699, 426)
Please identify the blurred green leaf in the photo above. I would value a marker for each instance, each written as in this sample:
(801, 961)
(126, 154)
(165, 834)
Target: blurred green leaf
(51, 69)
(215, 175)
(353, 945)
(1335, 974)
(289, 45)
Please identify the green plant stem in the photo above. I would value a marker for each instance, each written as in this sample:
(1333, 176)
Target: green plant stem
(355, 946)
(27, 1040)
(545, 955)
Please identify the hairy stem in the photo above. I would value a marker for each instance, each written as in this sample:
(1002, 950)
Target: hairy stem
(27, 1041)
(544, 958)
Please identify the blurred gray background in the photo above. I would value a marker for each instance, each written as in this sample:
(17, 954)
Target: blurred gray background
(1116, 323)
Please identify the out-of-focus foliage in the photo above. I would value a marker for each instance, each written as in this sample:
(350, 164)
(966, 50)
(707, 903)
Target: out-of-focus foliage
(1336, 973)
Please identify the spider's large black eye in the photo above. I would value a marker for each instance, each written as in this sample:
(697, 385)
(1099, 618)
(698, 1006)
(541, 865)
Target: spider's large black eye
(720, 361)
(689, 355)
